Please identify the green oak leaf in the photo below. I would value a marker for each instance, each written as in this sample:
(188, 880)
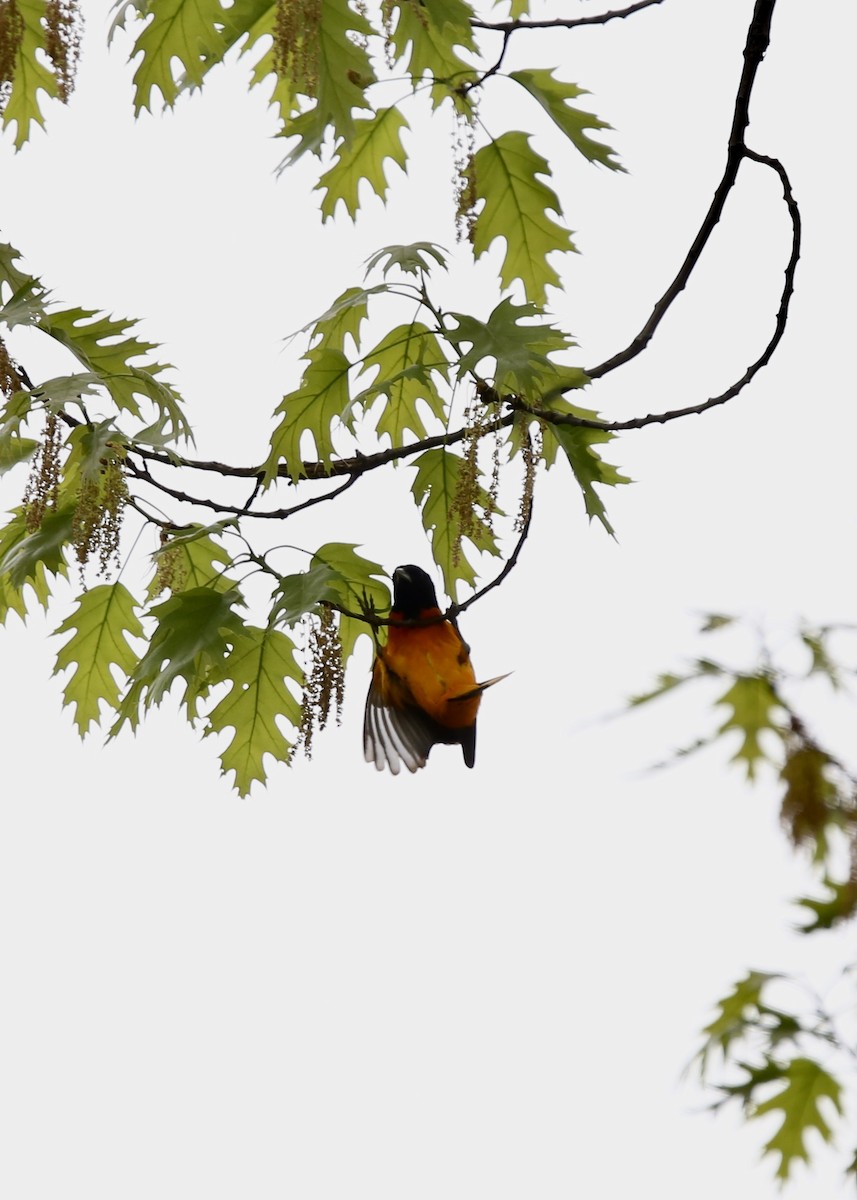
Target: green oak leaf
(822, 663)
(26, 306)
(756, 1075)
(343, 319)
(362, 156)
(412, 259)
(668, 681)
(14, 413)
(27, 297)
(11, 275)
(753, 702)
(353, 583)
(810, 802)
(435, 489)
(100, 626)
(342, 73)
(194, 633)
(425, 37)
(256, 668)
(738, 1010)
(322, 401)
(246, 24)
(554, 96)
(43, 548)
(59, 391)
(89, 446)
(406, 359)
(33, 72)
(578, 444)
(806, 1084)
(184, 31)
(34, 563)
(301, 593)
(519, 351)
(112, 356)
(840, 905)
(14, 450)
(106, 351)
(515, 208)
(199, 560)
(714, 621)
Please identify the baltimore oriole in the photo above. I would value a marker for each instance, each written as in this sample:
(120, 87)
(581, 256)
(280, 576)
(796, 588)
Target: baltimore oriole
(423, 688)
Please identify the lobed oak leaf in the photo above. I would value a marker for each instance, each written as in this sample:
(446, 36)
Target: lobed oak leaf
(555, 96)
(100, 626)
(362, 157)
(256, 669)
(515, 208)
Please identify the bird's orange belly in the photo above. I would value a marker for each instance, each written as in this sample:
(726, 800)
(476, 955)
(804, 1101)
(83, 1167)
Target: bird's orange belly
(434, 665)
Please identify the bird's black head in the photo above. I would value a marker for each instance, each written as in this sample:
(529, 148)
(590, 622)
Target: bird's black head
(413, 591)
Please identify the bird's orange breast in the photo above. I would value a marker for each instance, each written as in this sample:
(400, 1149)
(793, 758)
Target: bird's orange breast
(432, 663)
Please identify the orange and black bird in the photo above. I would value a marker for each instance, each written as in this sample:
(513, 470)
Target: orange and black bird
(423, 688)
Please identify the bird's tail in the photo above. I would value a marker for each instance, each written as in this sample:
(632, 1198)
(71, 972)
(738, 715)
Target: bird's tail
(480, 688)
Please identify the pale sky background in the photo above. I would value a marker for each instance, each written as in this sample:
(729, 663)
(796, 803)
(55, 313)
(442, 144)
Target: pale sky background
(461, 984)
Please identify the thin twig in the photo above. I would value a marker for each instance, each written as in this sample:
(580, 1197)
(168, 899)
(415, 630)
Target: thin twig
(277, 514)
(565, 22)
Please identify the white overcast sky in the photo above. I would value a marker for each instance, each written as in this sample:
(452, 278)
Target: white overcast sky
(462, 984)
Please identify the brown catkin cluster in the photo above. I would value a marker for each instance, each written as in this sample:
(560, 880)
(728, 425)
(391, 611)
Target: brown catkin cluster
(40, 494)
(531, 451)
(462, 510)
(97, 521)
(64, 26)
(468, 492)
(360, 39)
(11, 36)
(325, 678)
(464, 177)
(10, 379)
(387, 11)
(296, 48)
(171, 571)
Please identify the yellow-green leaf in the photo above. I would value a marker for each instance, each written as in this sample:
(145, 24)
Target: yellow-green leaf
(407, 358)
(436, 489)
(516, 204)
(520, 352)
(343, 72)
(578, 444)
(753, 702)
(33, 563)
(195, 631)
(182, 31)
(425, 36)
(322, 401)
(197, 561)
(109, 350)
(100, 626)
(14, 450)
(555, 96)
(362, 156)
(353, 581)
(806, 1084)
(256, 669)
(737, 1011)
(33, 73)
